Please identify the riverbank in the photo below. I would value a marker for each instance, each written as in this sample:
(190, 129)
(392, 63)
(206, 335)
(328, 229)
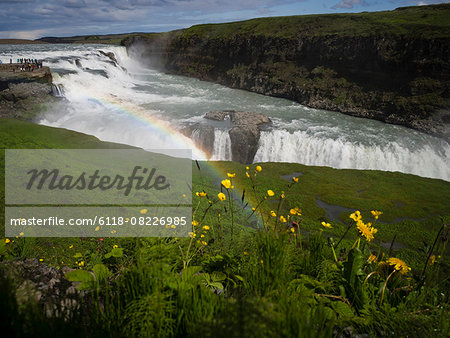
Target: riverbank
(23, 94)
(389, 66)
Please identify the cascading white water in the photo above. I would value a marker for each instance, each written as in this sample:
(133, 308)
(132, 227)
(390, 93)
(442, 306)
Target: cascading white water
(222, 145)
(299, 147)
(58, 90)
(129, 104)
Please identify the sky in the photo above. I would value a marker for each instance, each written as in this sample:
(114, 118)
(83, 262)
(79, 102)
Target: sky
(31, 19)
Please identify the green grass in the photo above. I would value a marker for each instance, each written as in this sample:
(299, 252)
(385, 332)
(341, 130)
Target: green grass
(258, 283)
(420, 201)
(422, 21)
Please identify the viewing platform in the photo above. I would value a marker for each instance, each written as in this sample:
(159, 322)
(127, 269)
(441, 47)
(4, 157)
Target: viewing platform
(11, 72)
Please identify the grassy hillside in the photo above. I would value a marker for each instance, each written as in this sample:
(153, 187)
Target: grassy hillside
(110, 39)
(283, 280)
(419, 21)
(412, 206)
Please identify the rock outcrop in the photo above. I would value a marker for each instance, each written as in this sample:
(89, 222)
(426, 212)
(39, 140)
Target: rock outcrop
(109, 55)
(202, 135)
(24, 94)
(244, 133)
(367, 64)
(42, 284)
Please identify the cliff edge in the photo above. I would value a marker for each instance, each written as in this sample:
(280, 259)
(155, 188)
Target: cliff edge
(390, 66)
(24, 93)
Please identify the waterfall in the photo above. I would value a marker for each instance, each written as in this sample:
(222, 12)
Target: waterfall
(129, 104)
(222, 145)
(58, 90)
(301, 147)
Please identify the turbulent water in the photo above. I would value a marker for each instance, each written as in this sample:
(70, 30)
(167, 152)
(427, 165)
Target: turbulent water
(127, 103)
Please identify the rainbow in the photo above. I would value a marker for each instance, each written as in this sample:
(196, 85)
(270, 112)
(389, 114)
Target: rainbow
(163, 127)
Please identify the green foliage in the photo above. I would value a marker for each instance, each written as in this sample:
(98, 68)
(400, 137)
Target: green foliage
(353, 279)
(264, 282)
(425, 21)
(88, 279)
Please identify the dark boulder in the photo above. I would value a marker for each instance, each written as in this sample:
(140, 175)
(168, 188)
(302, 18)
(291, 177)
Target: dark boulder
(244, 134)
(202, 135)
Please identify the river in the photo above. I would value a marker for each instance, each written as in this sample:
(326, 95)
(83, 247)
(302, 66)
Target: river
(129, 104)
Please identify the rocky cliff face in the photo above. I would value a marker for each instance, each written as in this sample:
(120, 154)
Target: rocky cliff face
(396, 78)
(244, 131)
(23, 94)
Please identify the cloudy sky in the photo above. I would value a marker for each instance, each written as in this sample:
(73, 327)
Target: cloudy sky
(30, 19)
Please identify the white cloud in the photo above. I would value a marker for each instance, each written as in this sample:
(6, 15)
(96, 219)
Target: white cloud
(349, 4)
(27, 35)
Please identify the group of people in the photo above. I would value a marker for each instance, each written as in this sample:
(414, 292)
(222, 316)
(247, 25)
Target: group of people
(28, 65)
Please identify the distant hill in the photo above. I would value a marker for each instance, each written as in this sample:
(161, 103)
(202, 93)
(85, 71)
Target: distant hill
(19, 42)
(391, 66)
(112, 39)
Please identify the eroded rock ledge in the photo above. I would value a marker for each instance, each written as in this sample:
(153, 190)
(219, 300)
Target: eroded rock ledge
(22, 94)
(245, 128)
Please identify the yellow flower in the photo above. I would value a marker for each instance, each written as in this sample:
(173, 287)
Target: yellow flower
(81, 263)
(253, 209)
(115, 246)
(221, 196)
(7, 240)
(376, 213)
(97, 228)
(295, 179)
(247, 174)
(202, 235)
(399, 265)
(201, 194)
(247, 168)
(231, 175)
(292, 229)
(206, 227)
(366, 230)
(282, 196)
(356, 216)
(194, 222)
(21, 234)
(270, 193)
(272, 213)
(144, 211)
(327, 225)
(192, 235)
(283, 219)
(295, 211)
(41, 259)
(262, 262)
(258, 168)
(71, 246)
(372, 258)
(245, 253)
(204, 243)
(432, 260)
(226, 183)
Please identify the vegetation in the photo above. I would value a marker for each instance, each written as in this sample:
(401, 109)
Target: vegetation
(108, 39)
(262, 258)
(418, 21)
